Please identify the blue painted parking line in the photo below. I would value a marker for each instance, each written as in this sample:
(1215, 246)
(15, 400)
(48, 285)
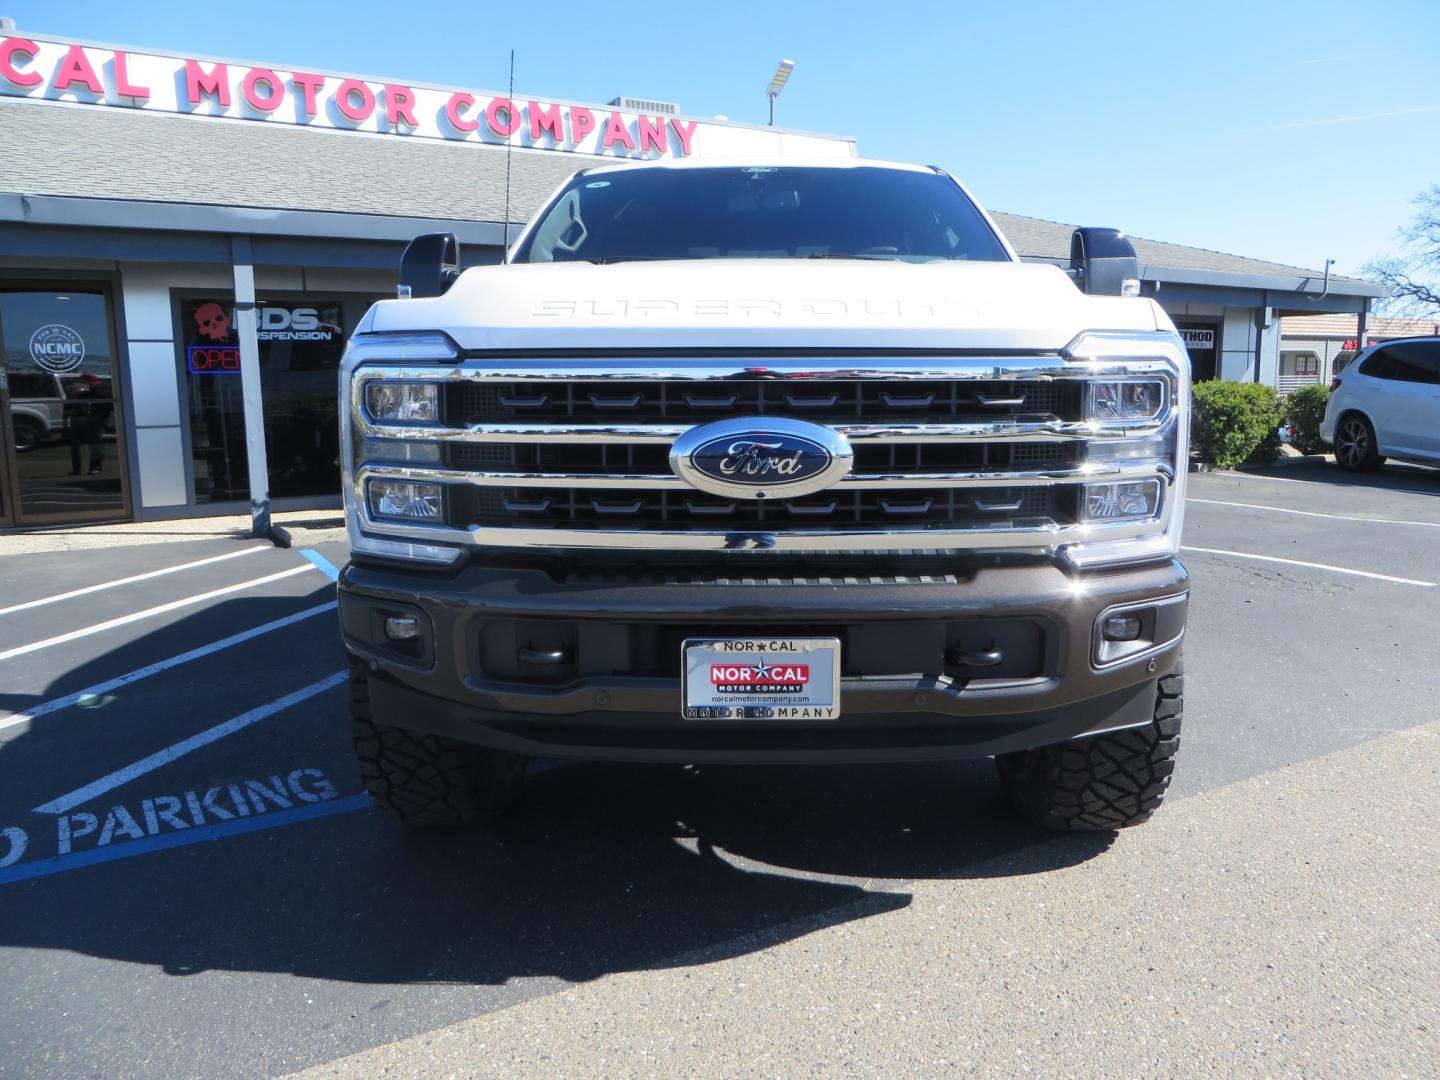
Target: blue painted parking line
(324, 565)
(59, 864)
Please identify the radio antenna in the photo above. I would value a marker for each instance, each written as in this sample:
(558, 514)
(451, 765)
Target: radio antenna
(509, 146)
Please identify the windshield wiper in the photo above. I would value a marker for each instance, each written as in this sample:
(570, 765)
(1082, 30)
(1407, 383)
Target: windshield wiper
(625, 258)
(842, 255)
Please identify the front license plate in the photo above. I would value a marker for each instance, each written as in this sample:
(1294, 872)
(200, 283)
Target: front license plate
(760, 679)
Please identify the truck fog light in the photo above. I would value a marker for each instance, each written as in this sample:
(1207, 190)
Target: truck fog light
(1115, 628)
(1124, 399)
(1120, 502)
(402, 628)
(403, 402)
(406, 499)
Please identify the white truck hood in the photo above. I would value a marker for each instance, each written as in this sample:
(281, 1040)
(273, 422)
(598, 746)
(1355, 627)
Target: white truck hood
(766, 303)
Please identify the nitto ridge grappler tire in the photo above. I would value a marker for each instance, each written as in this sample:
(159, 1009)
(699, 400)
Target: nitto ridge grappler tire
(424, 780)
(1104, 781)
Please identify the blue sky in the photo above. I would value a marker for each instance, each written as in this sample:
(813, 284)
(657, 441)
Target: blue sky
(1285, 131)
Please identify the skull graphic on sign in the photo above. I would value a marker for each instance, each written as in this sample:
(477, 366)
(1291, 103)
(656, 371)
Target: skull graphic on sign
(213, 322)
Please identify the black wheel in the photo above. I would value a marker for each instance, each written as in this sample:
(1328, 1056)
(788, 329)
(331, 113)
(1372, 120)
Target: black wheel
(27, 436)
(1355, 446)
(1102, 782)
(424, 780)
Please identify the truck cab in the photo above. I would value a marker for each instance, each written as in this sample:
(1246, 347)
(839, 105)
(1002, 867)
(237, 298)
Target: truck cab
(764, 462)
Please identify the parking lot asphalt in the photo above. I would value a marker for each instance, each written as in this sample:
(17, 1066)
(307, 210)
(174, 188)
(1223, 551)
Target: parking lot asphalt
(192, 884)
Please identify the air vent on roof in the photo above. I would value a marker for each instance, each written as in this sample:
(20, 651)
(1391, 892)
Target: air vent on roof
(644, 105)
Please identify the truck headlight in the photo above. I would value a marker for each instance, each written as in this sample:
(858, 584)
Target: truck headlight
(407, 499)
(1124, 399)
(403, 402)
(1121, 502)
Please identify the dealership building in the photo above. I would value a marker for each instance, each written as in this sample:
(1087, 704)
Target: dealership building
(161, 214)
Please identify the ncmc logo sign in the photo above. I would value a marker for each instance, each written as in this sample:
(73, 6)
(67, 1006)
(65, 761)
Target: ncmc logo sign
(57, 348)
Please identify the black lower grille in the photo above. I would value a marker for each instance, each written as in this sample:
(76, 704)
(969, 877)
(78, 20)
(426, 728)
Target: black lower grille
(898, 509)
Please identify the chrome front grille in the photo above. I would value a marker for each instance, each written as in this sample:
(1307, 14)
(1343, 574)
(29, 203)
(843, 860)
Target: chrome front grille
(653, 459)
(803, 396)
(892, 508)
(950, 452)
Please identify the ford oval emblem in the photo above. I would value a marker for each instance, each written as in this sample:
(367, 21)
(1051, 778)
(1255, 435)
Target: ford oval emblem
(761, 458)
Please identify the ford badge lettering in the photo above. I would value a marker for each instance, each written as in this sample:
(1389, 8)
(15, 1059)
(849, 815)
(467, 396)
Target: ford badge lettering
(761, 458)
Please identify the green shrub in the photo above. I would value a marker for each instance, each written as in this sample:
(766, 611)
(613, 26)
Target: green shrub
(1235, 422)
(1304, 409)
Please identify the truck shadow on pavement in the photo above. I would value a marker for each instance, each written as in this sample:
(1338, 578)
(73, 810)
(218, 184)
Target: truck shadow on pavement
(601, 868)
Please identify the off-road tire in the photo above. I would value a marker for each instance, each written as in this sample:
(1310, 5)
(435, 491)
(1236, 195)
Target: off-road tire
(424, 780)
(1104, 781)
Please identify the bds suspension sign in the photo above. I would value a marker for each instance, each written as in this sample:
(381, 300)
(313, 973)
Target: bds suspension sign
(58, 70)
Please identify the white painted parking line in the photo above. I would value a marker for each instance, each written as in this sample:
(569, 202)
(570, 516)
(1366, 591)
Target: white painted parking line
(1313, 566)
(1317, 514)
(56, 704)
(1326, 483)
(86, 631)
(130, 580)
(184, 746)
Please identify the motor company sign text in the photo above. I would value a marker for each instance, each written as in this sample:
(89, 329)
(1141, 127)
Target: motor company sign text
(96, 75)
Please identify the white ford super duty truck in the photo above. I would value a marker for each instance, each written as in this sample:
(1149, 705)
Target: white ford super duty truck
(766, 462)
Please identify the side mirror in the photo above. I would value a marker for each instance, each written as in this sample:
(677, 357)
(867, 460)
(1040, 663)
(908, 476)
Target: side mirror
(1103, 262)
(430, 265)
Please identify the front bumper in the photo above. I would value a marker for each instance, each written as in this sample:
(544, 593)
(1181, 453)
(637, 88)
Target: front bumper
(907, 692)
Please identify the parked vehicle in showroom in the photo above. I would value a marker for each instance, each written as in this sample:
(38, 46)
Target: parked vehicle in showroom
(1386, 404)
(766, 462)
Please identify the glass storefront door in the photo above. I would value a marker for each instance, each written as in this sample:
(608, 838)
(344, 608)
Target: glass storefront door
(62, 454)
(301, 338)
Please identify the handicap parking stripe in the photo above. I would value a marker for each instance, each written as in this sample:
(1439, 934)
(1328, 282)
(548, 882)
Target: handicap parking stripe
(324, 565)
(57, 864)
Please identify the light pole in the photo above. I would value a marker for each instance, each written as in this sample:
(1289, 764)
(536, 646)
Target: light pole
(777, 83)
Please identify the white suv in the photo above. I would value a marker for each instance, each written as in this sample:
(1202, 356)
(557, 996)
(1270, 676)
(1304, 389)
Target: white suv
(1386, 404)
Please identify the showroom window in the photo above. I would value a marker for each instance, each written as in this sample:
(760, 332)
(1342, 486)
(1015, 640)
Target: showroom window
(301, 339)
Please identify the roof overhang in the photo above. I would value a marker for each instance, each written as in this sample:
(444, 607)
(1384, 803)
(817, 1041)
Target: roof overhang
(1304, 291)
(1226, 279)
(245, 220)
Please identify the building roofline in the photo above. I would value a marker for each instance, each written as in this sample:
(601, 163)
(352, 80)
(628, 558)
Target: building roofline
(1300, 274)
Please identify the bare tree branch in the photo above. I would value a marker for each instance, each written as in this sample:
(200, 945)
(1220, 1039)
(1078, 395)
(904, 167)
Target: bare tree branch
(1415, 275)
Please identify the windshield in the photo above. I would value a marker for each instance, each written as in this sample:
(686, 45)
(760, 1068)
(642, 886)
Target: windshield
(761, 212)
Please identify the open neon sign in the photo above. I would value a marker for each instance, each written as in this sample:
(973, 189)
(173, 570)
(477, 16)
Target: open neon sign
(213, 359)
